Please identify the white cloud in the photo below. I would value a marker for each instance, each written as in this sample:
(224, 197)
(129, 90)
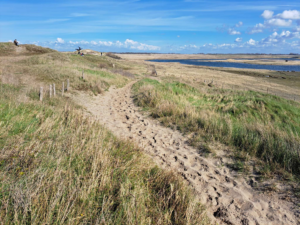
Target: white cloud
(238, 40)
(251, 42)
(279, 22)
(282, 38)
(60, 41)
(105, 43)
(239, 24)
(84, 42)
(189, 47)
(290, 14)
(267, 14)
(140, 46)
(178, 36)
(127, 44)
(258, 28)
(73, 43)
(232, 31)
(10, 41)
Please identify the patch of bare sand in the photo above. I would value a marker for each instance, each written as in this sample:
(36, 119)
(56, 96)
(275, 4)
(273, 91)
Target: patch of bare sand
(229, 200)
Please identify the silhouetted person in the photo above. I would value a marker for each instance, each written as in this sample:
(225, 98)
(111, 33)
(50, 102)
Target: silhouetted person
(78, 49)
(16, 42)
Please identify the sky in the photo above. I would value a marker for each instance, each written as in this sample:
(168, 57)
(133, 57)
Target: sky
(161, 26)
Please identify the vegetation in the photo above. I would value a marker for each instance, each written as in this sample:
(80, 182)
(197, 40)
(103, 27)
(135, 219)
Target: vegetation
(109, 54)
(9, 49)
(262, 125)
(59, 167)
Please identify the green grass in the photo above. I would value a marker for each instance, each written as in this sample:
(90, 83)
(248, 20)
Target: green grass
(263, 125)
(100, 73)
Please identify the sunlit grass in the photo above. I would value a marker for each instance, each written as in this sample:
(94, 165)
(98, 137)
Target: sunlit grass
(59, 167)
(262, 125)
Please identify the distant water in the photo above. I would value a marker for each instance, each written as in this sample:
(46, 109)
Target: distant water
(215, 63)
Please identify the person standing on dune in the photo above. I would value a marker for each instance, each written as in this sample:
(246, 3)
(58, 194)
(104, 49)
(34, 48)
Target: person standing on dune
(16, 42)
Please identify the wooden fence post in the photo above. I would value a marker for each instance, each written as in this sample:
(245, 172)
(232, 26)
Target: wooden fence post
(82, 74)
(54, 91)
(68, 84)
(63, 89)
(50, 90)
(41, 93)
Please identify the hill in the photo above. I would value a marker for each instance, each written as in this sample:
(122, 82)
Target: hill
(10, 49)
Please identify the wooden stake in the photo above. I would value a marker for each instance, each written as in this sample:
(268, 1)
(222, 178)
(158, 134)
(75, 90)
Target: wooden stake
(54, 91)
(63, 89)
(82, 75)
(68, 84)
(50, 90)
(41, 93)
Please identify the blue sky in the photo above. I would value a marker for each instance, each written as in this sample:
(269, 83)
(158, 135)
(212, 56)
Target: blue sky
(166, 26)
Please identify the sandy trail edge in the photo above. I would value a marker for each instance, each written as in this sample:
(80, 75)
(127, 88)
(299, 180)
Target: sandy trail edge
(229, 201)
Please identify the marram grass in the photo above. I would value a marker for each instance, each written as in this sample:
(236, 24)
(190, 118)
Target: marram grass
(58, 167)
(262, 125)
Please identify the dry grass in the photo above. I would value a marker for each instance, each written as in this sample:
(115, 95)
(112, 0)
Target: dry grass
(9, 49)
(59, 167)
(42, 70)
(229, 78)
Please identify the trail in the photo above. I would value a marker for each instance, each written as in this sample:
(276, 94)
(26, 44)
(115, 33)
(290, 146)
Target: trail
(228, 200)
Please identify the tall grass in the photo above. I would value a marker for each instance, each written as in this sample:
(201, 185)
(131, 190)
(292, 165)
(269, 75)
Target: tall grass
(263, 125)
(58, 167)
(58, 67)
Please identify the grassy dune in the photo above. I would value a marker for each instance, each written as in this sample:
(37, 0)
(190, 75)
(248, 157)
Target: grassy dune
(58, 167)
(262, 125)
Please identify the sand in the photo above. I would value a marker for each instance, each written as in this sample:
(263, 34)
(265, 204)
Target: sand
(229, 200)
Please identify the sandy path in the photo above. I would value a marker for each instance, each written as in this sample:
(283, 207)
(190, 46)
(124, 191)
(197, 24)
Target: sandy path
(229, 201)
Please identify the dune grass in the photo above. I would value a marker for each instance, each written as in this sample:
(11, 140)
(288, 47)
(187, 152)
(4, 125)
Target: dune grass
(58, 67)
(263, 125)
(9, 48)
(59, 167)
